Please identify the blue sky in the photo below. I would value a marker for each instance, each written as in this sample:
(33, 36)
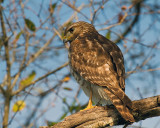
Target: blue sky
(53, 103)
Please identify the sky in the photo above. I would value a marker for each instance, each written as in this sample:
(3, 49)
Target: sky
(53, 104)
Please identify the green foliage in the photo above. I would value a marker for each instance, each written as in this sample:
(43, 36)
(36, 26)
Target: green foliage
(67, 88)
(18, 35)
(27, 80)
(108, 35)
(50, 123)
(63, 116)
(64, 100)
(52, 8)
(75, 108)
(31, 26)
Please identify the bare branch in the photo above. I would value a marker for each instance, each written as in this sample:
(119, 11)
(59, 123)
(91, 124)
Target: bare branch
(23, 61)
(111, 26)
(135, 20)
(109, 116)
(32, 59)
(40, 78)
(74, 8)
(147, 70)
(7, 93)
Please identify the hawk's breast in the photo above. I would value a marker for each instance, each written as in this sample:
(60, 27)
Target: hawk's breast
(99, 97)
(90, 65)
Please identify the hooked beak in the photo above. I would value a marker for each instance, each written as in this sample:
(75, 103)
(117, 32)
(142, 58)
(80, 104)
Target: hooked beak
(65, 41)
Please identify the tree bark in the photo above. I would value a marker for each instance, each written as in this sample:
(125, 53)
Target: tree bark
(109, 116)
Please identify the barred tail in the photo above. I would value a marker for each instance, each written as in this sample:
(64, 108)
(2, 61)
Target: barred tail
(120, 106)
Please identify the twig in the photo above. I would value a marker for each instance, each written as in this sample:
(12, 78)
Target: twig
(111, 26)
(32, 59)
(73, 15)
(23, 61)
(40, 78)
(130, 27)
(74, 8)
(41, 99)
(95, 11)
(148, 70)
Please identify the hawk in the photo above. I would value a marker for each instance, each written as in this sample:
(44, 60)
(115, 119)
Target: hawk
(98, 66)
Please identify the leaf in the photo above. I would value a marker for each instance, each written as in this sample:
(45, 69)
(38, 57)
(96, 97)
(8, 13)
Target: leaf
(27, 80)
(120, 17)
(17, 37)
(68, 89)
(50, 123)
(124, 7)
(64, 100)
(52, 8)
(54, 5)
(66, 79)
(63, 116)
(30, 25)
(74, 108)
(18, 106)
(108, 35)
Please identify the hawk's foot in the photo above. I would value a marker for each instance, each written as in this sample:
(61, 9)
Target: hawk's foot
(89, 107)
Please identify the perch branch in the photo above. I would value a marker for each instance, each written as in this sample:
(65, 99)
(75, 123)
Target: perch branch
(109, 116)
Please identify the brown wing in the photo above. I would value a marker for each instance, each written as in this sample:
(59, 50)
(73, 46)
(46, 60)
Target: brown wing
(117, 59)
(93, 63)
(96, 65)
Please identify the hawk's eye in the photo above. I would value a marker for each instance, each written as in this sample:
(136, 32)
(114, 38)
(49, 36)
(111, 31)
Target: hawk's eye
(71, 30)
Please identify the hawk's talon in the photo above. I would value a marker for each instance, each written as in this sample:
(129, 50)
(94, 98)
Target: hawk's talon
(89, 106)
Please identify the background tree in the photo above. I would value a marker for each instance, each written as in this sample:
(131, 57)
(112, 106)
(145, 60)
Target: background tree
(33, 61)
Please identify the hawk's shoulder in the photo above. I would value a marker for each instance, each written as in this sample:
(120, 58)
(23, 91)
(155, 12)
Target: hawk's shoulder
(116, 57)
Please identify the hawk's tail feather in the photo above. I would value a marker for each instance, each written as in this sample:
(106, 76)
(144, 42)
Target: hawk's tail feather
(122, 109)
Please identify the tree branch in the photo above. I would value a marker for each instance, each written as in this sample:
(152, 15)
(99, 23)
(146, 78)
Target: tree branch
(40, 78)
(135, 20)
(109, 116)
(8, 91)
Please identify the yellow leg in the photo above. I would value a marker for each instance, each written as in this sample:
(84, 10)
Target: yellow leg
(89, 106)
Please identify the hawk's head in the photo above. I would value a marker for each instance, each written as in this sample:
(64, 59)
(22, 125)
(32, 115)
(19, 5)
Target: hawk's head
(78, 29)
